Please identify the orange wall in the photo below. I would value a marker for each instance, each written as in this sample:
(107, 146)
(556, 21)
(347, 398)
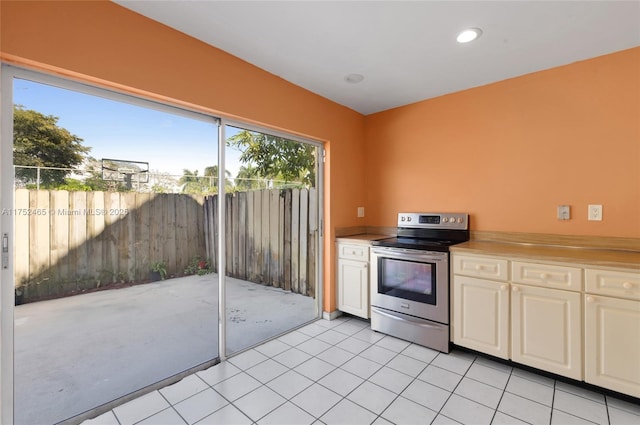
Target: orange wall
(104, 43)
(510, 152)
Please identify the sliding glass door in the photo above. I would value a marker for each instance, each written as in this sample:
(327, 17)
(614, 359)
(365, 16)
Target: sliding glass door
(127, 226)
(113, 292)
(272, 235)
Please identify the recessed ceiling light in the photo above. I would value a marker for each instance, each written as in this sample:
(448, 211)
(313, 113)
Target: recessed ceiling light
(469, 35)
(354, 78)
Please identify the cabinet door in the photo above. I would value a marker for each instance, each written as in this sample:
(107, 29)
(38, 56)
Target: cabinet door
(353, 287)
(481, 315)
(612, 343)
(546, 329)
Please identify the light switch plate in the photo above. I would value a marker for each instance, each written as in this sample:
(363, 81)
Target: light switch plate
(360, 212)
(564, 212)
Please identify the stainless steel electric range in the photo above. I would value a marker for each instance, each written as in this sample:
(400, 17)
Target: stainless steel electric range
(410, 278)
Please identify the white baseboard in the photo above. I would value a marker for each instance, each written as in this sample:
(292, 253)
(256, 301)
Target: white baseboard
(331, 316)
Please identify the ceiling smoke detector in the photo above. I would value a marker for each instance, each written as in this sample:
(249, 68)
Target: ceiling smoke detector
(354, 78)
(468, 35)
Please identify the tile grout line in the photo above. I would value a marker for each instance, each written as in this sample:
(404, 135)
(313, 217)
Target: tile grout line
(171, 406)
(553, 400)
(501, 397)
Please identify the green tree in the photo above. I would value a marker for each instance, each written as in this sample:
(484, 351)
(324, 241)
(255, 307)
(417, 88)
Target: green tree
(74, 185)
(276, 157)
(194, 184)
(212, 181)
(248, 179)
(38, 141)
(191, 182)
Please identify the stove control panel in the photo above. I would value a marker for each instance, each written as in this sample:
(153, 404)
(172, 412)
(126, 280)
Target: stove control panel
(434, 220)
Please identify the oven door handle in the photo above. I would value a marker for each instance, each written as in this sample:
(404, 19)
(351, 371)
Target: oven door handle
(405, 318)
(403, 255)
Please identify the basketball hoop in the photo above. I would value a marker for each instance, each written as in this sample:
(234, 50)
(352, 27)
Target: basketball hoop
(125, 171)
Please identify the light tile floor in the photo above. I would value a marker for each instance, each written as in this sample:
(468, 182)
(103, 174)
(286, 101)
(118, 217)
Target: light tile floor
(341, 372)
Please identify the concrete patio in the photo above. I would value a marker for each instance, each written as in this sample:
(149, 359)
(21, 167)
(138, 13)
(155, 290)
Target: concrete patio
(73, 354)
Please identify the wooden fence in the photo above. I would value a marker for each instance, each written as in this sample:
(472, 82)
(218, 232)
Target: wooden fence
(271, 237)
(68, 242)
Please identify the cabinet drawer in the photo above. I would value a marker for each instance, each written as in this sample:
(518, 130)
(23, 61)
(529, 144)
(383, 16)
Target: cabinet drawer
(484, 267)
(353, 252)
(621, 284)
(547, 275)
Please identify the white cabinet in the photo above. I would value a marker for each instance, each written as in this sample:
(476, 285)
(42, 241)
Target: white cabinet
(612, 330)
(481, 315)
(546, 317)
(353, 278)
(480, 304)
(522, 317)
(353, 287)
(573, 320)
(546, 329)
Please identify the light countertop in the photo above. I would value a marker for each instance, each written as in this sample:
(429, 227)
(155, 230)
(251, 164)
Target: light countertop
(365, 238)
(578, 255)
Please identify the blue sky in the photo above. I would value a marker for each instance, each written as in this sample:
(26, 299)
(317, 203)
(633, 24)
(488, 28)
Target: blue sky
(169, 143)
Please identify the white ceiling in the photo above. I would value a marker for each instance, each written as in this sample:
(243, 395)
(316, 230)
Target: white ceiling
(406, 50)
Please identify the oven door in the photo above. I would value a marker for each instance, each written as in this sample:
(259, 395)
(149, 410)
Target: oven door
(412, 282)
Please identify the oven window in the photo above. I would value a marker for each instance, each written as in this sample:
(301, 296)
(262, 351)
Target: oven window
(410, 280)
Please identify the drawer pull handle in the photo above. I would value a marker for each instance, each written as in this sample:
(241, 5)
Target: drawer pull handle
(516, 289)
(590, 299)
(627, 285)
(479, 267)
(503, 287)
(544, 276)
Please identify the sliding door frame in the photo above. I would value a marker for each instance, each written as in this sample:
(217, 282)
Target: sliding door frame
(7, 293)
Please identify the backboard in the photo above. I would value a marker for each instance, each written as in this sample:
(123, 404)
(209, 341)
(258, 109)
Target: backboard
(125, 171)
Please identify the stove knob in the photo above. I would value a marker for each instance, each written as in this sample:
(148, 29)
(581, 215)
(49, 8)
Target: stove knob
(408, 218)
(460, 220)
(402, 218)
(445, 219)
(452, 220)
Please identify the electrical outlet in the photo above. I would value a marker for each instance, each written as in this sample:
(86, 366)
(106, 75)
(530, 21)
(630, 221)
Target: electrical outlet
(360, 212)
(564, 212)
(595, 212)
